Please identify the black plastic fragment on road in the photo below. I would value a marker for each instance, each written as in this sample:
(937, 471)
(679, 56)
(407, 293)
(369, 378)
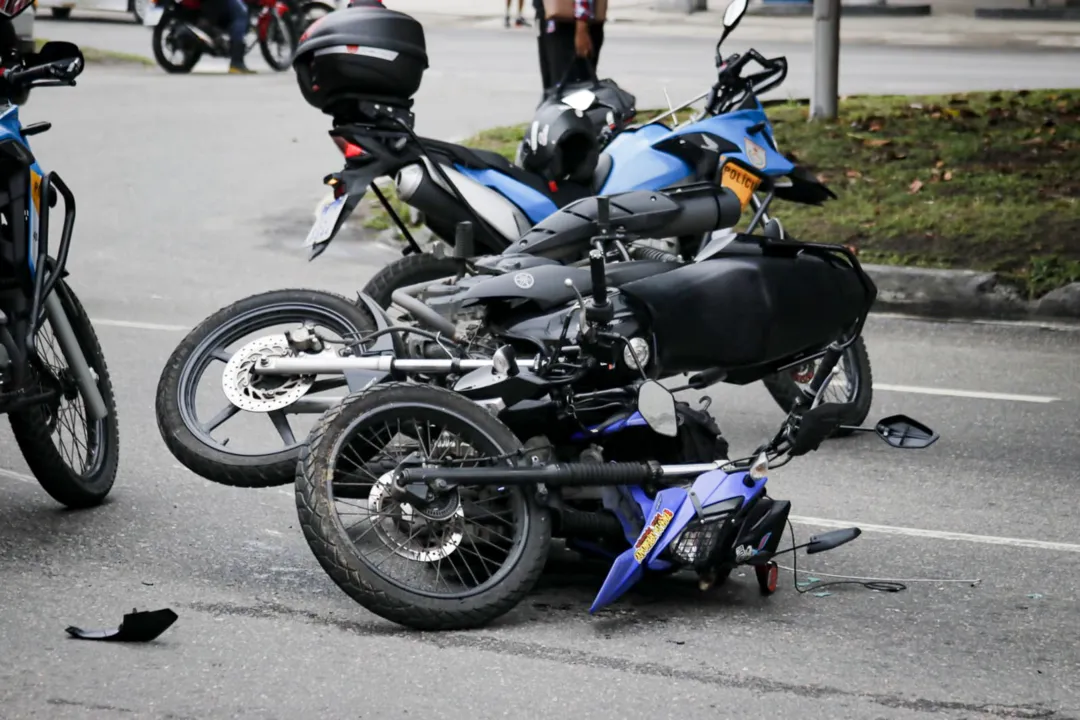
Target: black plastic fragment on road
(136, 627)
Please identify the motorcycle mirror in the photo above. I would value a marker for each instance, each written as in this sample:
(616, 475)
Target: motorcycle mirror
(830, 540)
(902, 432)
(732, 15)
(504, 361)
(59, 51)
(657, 406)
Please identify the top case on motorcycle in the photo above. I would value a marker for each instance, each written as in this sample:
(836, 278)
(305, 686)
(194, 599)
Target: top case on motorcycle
(748, 310)
(563, 194)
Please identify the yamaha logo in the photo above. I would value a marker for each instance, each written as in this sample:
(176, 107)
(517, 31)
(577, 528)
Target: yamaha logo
(524, 280)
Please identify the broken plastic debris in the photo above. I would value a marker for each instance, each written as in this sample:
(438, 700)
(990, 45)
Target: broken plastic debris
(825, 593)
(1035, 596)
(136, 627)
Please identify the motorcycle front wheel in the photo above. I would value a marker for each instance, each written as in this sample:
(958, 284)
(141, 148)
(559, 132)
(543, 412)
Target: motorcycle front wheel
(200, 431)
(78, 471)
(278, 42)
(468, 556)
(168, 36)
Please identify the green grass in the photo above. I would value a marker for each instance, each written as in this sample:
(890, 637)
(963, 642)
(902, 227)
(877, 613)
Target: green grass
(94, 55)
(988, 181)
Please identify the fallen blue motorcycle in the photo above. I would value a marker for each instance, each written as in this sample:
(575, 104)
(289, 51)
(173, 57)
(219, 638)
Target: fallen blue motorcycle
(430, 494)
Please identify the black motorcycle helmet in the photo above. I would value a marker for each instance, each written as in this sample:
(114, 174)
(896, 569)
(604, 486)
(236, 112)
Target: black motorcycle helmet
(560, 144)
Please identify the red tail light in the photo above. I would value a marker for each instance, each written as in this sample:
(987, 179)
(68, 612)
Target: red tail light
(350, 150)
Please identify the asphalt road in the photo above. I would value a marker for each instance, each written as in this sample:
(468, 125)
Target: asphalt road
(196, 191)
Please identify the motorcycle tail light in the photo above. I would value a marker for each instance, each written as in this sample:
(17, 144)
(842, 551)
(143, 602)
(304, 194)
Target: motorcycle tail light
(348, 149)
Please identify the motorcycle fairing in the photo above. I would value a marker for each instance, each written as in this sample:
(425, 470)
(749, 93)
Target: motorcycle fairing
(672, 512)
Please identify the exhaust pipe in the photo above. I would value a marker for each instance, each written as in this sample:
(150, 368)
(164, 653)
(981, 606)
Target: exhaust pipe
(424, 190)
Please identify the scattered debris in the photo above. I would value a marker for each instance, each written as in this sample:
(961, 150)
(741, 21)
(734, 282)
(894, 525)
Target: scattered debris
(136, 627)
(1035, 596)
(824, 593)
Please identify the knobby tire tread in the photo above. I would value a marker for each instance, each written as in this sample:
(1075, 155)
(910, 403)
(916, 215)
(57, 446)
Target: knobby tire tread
(314, 510)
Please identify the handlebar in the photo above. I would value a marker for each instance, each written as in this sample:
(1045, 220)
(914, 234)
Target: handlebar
(599, 278)
(730, 80)
(61, 70)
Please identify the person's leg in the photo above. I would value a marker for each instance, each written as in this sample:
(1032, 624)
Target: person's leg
(596, 32)
(238, 25)
(560, 51)
(541, 47)
(508, 13)
(521, 21)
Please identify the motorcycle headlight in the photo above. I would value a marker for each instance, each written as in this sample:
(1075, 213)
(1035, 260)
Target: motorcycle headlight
(636, 353)
(698, 541)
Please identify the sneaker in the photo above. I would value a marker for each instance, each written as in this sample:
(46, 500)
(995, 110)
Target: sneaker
(522, 22)
(240, 70)
(507, 21)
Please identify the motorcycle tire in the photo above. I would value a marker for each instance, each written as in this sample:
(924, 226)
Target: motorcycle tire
(191, 58)
(406, 271)
(284, 27)
(785, 391)
(180, 429)
(34, 426)
(337, 552)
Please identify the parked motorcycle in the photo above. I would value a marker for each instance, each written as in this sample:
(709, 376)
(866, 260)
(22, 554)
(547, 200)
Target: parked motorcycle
(54, 383)
(454, 492)
(389, 141)
(185, 30)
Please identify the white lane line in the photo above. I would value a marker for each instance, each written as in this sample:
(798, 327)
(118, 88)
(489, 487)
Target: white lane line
(940, 534)
(138, 325)
(12, 475)
(966, 393)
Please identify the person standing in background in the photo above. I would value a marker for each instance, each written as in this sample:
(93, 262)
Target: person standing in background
(521, 21)
(572, 36)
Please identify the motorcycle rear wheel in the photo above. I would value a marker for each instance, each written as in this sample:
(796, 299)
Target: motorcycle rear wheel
(860, 393)
(192, 54)
(406, 271)
(447, 527)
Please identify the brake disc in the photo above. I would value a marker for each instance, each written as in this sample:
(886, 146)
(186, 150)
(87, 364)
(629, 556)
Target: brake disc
(262, 393)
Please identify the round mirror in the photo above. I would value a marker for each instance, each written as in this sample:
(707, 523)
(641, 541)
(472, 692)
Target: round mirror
(657, 407)
(734, 12)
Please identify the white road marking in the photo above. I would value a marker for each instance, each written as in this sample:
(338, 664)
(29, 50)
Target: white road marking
(966, 393)
(138, 325)
(12, 475)
(1063, 326)
(940, 534)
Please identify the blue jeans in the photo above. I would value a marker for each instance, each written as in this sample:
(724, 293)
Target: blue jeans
(238, 25)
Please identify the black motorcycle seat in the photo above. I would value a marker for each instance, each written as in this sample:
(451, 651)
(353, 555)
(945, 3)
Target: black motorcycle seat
(562, 195)
(545, 285)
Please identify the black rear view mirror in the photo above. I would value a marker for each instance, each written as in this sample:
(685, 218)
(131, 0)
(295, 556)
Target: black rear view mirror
(59, 51)
(903, 432)
(830, 540)
(656, 405)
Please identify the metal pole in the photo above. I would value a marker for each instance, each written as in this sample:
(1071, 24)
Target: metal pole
(826, 59)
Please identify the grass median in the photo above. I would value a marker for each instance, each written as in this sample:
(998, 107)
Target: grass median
(105, 57)
(986, 181)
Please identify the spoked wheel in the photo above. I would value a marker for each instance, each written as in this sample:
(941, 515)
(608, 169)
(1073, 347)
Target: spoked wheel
(467, 557)
(309, 13)
(174, 50)
(74, 458)
(853, 384)
(278, 43)
(206, 431)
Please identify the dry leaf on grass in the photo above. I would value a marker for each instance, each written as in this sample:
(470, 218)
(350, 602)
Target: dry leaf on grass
(916, 186)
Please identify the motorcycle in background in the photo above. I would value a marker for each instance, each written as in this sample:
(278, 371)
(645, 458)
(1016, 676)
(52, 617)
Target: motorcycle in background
(186, 29)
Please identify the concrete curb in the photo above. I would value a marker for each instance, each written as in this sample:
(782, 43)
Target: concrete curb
(965, 294)
(794, 9)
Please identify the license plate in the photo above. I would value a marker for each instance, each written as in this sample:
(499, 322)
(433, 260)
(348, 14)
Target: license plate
(740, 182)
(325, 222)
(153, 15)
